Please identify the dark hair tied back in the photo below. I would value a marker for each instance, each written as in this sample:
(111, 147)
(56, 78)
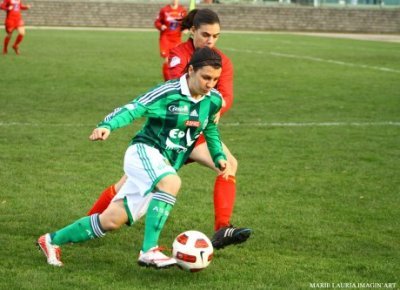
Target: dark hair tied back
(198, 17)
(205, 57)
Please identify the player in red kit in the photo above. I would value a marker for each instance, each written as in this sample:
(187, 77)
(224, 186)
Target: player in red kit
(204, 27)
(13, 22)
(168, 23)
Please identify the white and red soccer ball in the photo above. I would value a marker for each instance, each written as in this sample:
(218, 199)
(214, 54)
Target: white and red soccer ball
(192, 250)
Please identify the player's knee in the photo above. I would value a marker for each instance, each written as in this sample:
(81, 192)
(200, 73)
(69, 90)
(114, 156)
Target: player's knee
(170, 184)
(233, 163)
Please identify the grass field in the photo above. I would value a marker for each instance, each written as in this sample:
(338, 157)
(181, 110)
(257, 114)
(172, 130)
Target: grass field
(315, 127)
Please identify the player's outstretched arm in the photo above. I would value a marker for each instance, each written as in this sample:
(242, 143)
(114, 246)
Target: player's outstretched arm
(99, 134)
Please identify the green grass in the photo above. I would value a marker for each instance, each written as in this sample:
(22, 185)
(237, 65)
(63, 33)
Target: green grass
(322, 197)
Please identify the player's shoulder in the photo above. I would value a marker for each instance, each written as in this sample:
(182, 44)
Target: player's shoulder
(171, 87)
(185, 48)
(215, 96)
(181, 54)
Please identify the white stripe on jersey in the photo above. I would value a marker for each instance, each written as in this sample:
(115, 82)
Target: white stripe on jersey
(154, 94)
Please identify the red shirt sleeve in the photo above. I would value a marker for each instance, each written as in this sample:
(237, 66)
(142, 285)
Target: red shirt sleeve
(225, 82)
(5, 4)
(23, 7)
(160, 19)
(178, 59)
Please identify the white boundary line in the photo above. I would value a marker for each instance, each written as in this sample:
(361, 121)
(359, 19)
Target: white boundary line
(278, 54)
(233, 124)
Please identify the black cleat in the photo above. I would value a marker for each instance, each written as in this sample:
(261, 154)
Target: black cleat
(229, 235)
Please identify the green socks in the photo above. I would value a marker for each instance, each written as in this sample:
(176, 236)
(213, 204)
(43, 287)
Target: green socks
(81, 230)
(157, 214)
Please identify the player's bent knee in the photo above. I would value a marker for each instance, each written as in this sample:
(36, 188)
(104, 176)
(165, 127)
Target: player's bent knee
(233, 164)
(170, 184)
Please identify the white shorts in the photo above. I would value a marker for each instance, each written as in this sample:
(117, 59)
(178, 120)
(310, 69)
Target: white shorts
(145, 167)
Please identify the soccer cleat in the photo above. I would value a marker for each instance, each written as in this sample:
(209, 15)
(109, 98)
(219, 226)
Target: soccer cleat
(155, 258)
(52, 253)
(229, 235)
(16, 49)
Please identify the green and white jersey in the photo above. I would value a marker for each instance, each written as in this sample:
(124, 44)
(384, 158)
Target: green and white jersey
(174, 120)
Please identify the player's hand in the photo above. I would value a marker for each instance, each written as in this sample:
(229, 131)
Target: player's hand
(11, 7)
(224, 168)
(163, 27)
(99, 134)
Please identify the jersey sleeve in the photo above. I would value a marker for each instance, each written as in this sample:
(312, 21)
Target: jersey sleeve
(213, 139)
(159, 20)
(177, 62)
(225, 84)
(23, 7)
(123, 116)
(4, 5)
(214, 144)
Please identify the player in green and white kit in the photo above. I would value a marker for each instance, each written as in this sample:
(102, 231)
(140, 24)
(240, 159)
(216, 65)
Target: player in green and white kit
(177, 113)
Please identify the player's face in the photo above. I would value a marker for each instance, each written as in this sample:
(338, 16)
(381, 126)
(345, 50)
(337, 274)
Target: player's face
(203, 80)
(205, 35)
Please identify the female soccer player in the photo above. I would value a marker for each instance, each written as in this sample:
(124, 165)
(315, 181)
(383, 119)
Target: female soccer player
(168, 23)
(204, 26)
(13, 22)
(177, 113)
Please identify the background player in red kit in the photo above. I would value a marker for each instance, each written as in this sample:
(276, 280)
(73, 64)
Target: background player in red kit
(168, 23)
(204, 27)
(14, 21)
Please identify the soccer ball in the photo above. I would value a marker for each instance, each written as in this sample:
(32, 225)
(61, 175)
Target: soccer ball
(192, 250)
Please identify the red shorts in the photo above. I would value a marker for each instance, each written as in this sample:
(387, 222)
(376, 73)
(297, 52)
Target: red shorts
(13, 23)
(166, 44)
(199, 141)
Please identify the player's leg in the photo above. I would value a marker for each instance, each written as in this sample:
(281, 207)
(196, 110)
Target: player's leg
(224, 198)
(7, 38)
(148, 172)
(83, 229)
(20, 37)
(106, 196)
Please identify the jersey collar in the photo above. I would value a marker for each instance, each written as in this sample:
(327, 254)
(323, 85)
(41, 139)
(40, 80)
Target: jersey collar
(185, 90)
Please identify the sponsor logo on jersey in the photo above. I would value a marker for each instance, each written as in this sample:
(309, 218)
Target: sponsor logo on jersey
(178, 110)
(175, 136)
(174, 61)
(192, 123)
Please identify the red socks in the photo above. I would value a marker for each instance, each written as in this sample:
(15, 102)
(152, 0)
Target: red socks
(224, 200)
(6, 41)
(18, 40)
(16, 43)
(103, 201)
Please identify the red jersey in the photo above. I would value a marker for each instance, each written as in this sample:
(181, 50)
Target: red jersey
(13, 8)
(171, 18)
(179, 58)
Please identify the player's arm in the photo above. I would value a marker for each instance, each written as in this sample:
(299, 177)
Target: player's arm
(6, 5)
(119, 118)
(25, 7)
(159, 22)
(176, 64)
(225, 85)
(213, 140)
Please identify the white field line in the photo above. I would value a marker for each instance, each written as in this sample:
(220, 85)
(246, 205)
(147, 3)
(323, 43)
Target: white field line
(233, 124)
(311, 58)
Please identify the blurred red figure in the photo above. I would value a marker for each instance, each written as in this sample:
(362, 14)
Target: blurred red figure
(13, 22)
(168, 23)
